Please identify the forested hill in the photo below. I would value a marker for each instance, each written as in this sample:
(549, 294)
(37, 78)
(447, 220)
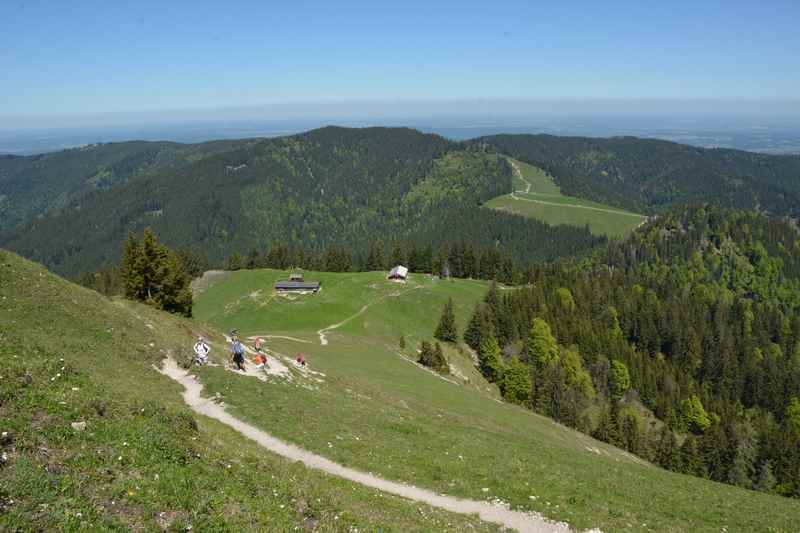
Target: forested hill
(331, 186)
(32, 186)
(694, 320)
(648, 175)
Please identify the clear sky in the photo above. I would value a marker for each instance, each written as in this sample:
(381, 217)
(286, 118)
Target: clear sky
(76, 58)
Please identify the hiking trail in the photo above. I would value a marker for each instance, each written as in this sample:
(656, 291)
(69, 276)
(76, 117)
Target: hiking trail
(323, 339)
(524, 522)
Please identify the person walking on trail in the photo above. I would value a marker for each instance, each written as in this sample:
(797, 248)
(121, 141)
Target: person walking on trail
(237, 348)
(258, 344)
(201, 350)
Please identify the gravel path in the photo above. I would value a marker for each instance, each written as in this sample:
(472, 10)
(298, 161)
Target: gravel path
(520, 521)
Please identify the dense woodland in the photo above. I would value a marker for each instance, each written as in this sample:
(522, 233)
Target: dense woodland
(31, 186)
(329, 187)
(649, 175)
(680, 344)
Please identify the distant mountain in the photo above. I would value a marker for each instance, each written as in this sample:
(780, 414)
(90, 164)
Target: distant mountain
(648, 175)
(331, 186)
(31, 186)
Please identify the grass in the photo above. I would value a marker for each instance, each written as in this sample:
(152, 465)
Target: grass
(377, 412)
(144, 461)
(537, 196)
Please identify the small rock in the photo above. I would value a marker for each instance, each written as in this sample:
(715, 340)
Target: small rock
(78, 426)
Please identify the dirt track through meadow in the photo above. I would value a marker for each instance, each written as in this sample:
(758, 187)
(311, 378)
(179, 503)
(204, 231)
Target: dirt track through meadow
(524, 522)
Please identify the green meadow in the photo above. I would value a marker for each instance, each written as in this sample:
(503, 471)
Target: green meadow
(375, 410)
(144, 461)
(537, 196)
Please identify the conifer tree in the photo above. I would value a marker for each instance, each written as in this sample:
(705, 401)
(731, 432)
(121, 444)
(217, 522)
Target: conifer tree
(440, 361)
(691, 460)
(375, 257)
(766, 479)
(479, 328)
(253, 260)
(446, 331)
(667, 452)
(234, 262)
(432, 357)
(425, 354)
(153, 273)
(132, 281)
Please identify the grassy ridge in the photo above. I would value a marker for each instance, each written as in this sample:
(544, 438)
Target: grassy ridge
(537, 196)
(144, 460)
(377, 412)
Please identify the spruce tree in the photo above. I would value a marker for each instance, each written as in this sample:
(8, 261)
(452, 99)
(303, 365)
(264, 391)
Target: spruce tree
(446, 331)
(253, 260)
(154, 274)
(478, 328)
(425, 354)
(132, 281)
(440, 361)
(234, 262)
(667, 452)
(766, 479)
(691, 460)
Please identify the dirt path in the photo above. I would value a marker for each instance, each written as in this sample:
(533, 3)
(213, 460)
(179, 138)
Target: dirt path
(295, 339)
(515, 197)
(323, 339)
(520, 176)
(520, 521)
(275, 366)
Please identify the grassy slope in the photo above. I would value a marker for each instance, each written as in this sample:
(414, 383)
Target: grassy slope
(610, 221)
(377, 412)
(145, 461)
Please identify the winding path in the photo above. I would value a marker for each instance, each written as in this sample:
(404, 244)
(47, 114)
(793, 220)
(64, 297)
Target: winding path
(323, 340)
(515, 197)
(528, 191)
(524, 522)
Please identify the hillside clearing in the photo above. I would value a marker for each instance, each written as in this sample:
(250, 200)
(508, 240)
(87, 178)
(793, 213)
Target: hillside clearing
(535, 195)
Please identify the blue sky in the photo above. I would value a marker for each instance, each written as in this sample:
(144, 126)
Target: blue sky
(81, 58)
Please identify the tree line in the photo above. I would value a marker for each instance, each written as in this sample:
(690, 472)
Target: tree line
(681, 344)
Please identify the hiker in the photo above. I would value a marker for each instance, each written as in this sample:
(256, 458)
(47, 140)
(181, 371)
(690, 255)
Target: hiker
(301, 359)
(258, 344)
(237, 349)
(261, 360)
(201, 350)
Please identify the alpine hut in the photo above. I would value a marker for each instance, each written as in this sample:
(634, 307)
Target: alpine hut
(296, 283)
(398, 274)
